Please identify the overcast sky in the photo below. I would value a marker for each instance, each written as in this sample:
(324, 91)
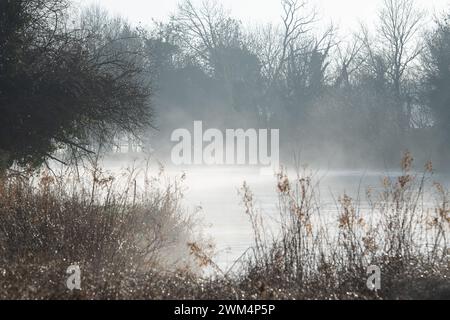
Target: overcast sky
(345, 13)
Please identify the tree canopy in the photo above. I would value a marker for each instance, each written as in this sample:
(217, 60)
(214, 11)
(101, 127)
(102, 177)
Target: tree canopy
(64, 83)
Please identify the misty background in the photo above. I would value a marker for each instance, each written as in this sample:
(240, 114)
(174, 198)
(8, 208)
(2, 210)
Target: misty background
(347, 87)
(91, 91)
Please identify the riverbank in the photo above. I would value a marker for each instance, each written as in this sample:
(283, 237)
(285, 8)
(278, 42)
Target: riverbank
(136, 241)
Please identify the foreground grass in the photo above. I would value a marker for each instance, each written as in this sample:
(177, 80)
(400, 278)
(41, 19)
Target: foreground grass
(136, 243)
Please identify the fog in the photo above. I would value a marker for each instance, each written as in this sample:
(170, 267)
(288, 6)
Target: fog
(213, 195)
(341, 98)
(224, 149)
(348, 93)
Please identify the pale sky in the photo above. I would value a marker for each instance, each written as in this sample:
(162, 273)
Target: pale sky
(345, 13)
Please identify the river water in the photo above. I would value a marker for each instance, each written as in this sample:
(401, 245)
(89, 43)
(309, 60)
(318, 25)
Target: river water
(215, 190)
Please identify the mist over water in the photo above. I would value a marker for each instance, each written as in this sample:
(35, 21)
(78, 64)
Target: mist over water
(208, 156)
(214, 195)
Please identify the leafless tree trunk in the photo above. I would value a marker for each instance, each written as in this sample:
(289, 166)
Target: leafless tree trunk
(399, 24)
(392, 52)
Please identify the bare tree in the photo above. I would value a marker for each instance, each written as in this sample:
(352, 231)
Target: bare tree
(348, 60)
(392, 52)
(297, 20)
(400, 22)
(207, 29)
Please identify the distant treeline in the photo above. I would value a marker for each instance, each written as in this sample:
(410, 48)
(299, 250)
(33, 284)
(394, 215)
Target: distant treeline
(359, 99)
(354, 99)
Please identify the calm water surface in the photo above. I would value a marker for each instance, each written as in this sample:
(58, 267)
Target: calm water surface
(216, 191)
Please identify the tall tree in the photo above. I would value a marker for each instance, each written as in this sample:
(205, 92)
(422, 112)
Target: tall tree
(395, 48)
(63, 84)
(437, 67)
